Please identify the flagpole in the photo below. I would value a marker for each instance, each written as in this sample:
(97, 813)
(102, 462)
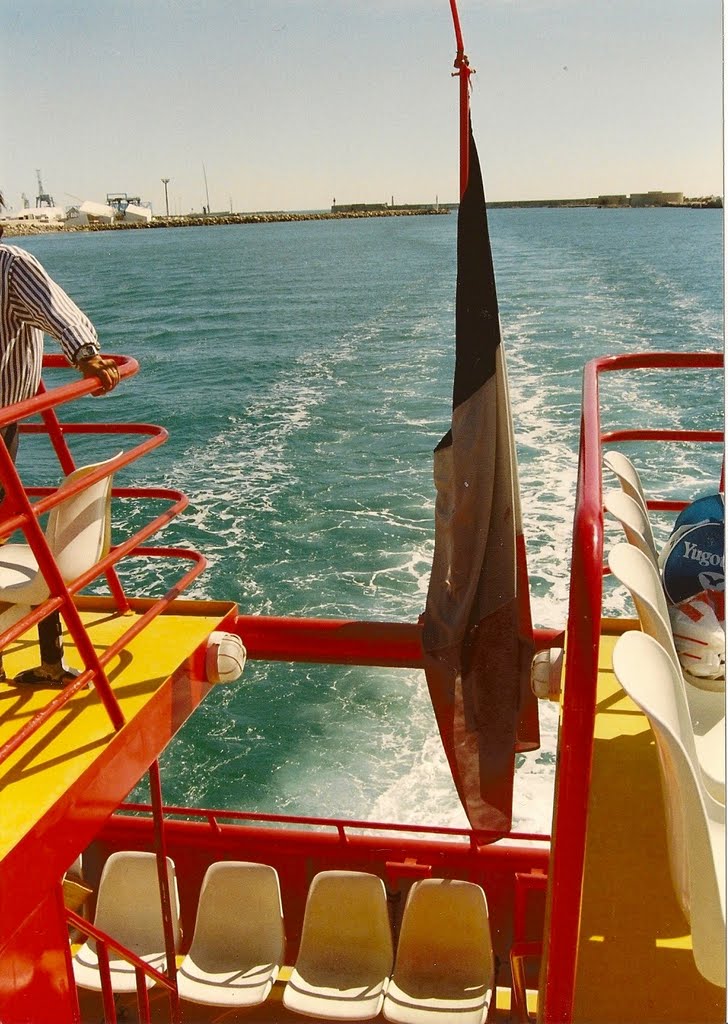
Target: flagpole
(464, 71)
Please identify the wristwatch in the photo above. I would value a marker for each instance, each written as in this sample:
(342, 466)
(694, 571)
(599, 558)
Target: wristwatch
(85, 352)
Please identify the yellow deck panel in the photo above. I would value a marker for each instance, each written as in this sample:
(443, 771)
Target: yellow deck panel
(33, 778)
(635, 961)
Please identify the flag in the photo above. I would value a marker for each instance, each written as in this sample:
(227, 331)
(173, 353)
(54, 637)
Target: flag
(477, 634)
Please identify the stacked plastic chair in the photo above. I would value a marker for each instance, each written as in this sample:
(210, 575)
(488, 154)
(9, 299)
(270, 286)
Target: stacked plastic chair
(696, 822)
(688, 723)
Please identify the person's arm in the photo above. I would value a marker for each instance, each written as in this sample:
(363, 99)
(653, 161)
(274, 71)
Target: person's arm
(42, 303)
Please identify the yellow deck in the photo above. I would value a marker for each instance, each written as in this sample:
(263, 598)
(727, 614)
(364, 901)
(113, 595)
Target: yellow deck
(48, 765)
(635, 961)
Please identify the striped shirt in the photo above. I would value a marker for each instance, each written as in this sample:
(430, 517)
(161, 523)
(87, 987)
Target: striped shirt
(31, 305)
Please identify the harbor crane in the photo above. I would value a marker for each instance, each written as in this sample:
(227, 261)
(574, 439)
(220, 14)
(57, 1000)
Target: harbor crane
(43, 198)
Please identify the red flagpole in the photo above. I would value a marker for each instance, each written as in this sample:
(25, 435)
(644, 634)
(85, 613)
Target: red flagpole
(464, 71)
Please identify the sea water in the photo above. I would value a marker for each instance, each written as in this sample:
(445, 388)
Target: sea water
(304, 371)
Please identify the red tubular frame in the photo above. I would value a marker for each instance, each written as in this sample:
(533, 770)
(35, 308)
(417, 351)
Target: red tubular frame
(582, 654)
(344, 641)
(25, 516)
(104, 942)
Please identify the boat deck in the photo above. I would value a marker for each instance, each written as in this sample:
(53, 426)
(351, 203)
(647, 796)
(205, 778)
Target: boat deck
(633, 932)
(270, 1012)
(154, 681)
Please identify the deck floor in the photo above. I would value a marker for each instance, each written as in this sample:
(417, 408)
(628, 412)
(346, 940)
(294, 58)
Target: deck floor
(35, 776)
(628, 900)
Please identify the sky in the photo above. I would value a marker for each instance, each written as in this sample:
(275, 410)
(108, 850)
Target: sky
(291, 104)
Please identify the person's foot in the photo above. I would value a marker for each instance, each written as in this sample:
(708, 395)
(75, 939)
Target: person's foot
(58, 675)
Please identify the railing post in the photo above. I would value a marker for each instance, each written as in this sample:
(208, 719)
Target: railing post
(106, 989)
(155, 788)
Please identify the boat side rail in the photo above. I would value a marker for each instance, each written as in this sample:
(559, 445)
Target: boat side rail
(342, 826)
(142, 970)
(21, 514)
(582, 659)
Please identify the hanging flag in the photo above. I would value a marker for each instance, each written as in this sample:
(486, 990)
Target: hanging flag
(478, 638)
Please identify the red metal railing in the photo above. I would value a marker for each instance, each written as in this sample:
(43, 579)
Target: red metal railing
(21, 514)
(582, 655)
(342, 826)
(142, 971)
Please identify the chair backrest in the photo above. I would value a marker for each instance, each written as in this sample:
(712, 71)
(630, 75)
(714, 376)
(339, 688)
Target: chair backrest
(637, 572)
(79, 528)
(129, 906)
(629, 478)
(446, 932)
(634, 520)
(695, 824)
(346, 914)
(240, 908)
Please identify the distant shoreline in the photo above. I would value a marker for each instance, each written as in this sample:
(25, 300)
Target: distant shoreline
(16, 229)
(703, 203)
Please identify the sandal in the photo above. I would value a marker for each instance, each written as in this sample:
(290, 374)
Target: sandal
(40, 677)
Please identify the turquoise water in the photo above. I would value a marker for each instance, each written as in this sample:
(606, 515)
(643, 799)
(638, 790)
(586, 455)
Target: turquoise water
(304, 372)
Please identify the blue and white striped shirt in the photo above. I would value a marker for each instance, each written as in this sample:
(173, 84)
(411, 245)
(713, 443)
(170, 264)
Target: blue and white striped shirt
(32, 304)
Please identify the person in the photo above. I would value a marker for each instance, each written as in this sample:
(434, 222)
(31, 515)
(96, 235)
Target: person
(31, 305)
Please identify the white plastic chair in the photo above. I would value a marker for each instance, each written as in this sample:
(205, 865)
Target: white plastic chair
(695, 823)
(129, 910)
(444, 969)
(629, 478)
(346, 953)
(238, 943)
(634, 520)
(701, 712)
(78, 534)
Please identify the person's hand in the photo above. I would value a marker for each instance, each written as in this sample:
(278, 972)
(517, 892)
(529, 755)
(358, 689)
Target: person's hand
(104, 370)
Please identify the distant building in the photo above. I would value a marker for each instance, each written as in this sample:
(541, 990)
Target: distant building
(656, 199)
(40, 215)
(612, 200)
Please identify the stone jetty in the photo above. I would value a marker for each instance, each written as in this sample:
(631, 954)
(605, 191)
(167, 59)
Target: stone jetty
(195, 220)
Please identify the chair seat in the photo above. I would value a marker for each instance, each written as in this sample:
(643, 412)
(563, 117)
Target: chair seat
(123, 976)
(710, 747)
(354, 997)
(707, 715)
(20, 581)
(441, 1004)
(227, 982)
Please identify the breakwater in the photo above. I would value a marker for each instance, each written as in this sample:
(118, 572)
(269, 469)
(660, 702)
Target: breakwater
(15, 228)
